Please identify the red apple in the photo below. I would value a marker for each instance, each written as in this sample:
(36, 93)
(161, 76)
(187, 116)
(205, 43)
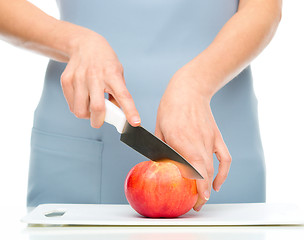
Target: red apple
(157, 189)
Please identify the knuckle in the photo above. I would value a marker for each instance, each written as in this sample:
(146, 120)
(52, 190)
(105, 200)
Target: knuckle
(97, 107)
(227, 159)
(66, 79)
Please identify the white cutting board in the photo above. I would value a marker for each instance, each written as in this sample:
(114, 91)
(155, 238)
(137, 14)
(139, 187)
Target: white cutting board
(124, 215)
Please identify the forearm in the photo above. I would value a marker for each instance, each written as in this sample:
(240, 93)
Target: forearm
(241, 39)
(25, 25)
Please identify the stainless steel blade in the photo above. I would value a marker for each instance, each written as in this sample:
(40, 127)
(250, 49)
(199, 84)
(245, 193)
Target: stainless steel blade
(155, 149)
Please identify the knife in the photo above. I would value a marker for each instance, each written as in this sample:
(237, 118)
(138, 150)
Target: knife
(145, 142)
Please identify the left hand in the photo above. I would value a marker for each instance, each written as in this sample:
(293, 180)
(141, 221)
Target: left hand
(186, 123)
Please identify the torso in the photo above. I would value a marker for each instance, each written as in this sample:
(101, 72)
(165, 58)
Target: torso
(153, 39)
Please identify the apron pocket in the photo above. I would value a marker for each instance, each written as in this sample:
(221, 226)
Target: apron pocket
(64, 169)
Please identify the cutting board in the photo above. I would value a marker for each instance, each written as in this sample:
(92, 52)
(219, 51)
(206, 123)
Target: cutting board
(125, 215)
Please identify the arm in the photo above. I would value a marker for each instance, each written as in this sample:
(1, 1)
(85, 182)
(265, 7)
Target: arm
(93, 67)
(24, 25)
(241, 39)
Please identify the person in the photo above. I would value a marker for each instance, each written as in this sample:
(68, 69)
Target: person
(186, 66)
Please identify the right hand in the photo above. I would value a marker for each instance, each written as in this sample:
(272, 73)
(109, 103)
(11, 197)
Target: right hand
(93, 69)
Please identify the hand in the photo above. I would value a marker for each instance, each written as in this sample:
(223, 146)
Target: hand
(185, 122)
(92, 70)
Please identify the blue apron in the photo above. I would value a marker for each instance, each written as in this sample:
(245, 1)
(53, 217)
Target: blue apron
(71, 162)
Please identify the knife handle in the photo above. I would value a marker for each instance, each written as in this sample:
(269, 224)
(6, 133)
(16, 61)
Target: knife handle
(115, 116)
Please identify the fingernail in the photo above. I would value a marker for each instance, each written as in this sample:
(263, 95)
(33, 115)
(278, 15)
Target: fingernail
(198, 208)
(206, 195)
(136, 120)
(218, 189)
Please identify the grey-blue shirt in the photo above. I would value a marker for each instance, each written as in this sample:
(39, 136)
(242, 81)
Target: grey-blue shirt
(71, 162)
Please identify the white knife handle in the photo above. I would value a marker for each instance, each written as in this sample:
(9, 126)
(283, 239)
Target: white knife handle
(115, 116)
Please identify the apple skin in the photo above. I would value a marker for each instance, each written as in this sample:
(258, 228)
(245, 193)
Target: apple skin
(158, 190)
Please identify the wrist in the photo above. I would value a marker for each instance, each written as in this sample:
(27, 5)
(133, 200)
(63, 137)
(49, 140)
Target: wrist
(199, 81)
(76, 39)
(186, 84)
(206, 76)
(70, 37)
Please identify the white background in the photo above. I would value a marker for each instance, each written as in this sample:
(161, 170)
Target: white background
(278, 81)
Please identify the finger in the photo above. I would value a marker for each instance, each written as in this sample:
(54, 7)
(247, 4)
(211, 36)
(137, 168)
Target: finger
(200, 161)
(81, 103)
(66, 81)
(81, 97)
(203, 187)
(113, 100)
(204, 166)
(224, 157)
(124, 99)
(97, 103)
(207, 153)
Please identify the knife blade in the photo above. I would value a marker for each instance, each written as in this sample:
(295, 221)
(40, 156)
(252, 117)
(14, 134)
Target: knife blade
(147, 144)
